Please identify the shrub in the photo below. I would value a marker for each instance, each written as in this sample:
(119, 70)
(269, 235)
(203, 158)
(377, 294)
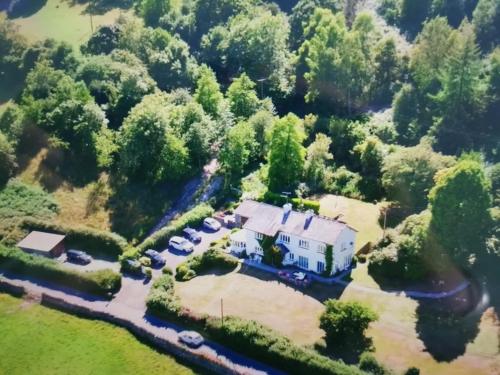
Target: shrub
(103, 282)
(191, 218)
(412, 371)
(212, 258)
(297, 203)
(345, 323)
(361, 258)
(145, 261)
(167, 271)
(368, 363)
(148, 272)
(161, 299)
(90, 240)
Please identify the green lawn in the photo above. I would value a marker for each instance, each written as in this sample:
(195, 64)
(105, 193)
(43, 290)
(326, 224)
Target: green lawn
(38, 340)
(59, 19)
(360, 215)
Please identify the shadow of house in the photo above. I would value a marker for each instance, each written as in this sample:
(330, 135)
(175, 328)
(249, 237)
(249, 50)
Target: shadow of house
(22, 8)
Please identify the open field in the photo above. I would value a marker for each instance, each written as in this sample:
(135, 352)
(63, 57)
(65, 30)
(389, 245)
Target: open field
(38, 340)
(256, 295)
(60, 20)
(360, 215)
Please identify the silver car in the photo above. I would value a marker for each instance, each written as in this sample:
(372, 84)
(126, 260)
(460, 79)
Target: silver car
(191, 338)
(181, 244)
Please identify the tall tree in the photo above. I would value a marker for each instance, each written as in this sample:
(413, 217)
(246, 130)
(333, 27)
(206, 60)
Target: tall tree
(153, 10)
(208, 92)
(462, 97)
(486, 22)
(413, 14)
(7, 160)
(371, 157)
(286, 154)
(242, 97)
(237, 150)
(387, 73)
(408, 174)
(317, 159)
(460, 203)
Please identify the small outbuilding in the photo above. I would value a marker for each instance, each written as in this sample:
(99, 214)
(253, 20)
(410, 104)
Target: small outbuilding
(42, 243)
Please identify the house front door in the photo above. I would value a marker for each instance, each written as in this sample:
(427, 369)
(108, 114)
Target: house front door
(303, 262)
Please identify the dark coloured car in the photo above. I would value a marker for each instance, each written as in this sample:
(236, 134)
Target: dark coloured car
(77, 256)
(156, 258)
(133, 267)
(191, 234)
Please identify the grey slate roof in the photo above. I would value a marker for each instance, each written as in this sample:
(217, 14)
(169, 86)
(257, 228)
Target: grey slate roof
(40, 241)
(269, 220)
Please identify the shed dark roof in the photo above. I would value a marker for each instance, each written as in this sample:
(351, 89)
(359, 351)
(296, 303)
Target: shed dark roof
(41, 241)
(269, 220)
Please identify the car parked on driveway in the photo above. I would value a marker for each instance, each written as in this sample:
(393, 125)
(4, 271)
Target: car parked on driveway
(181, 244)
(156, 258)
(191, 338)
(77, 256)
(211, 224)
(192, 235)
(133, 267)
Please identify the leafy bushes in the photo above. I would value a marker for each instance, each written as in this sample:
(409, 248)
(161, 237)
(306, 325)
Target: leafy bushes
(297, 203)
(248, 337)
(193, 217)
(103, 282)
(212, 258)
(264, 344)
(88, 239)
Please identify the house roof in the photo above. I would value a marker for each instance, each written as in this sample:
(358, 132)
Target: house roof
(41, 241)
(269, 220)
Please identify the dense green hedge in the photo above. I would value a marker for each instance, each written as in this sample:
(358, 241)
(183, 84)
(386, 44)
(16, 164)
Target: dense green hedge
(247, 337)
(297, 203)
(103, 282)
(210, 259)
(82, 238)
(191, 218)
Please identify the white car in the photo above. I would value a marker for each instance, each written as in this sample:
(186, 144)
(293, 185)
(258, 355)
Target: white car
(191, 338)
(181, 244)
(211, 224)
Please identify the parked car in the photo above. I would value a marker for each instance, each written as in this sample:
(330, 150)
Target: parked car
(211, 224)
(77, 256)
(156, 259)
(181, 244)
(191, 234)
(133, 267)
(191, 338)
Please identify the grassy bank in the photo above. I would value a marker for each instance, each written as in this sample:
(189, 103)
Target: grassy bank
(39, 340)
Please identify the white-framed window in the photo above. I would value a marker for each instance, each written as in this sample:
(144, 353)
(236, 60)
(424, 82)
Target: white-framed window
(291, 256)
(321, 248)
(304, 244)
(285, 238)
(303, 262)
(258, 250)
(259, 236)
(320, 267)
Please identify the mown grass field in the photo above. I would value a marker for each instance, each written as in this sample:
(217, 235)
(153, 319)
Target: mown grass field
(61, 20)
(38, 340)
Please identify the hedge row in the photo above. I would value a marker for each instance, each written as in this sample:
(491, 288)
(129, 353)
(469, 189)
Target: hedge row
(210, 259)
(248, 337)
(83, 238)
(103, 282)
(191, 218)
(297, 203)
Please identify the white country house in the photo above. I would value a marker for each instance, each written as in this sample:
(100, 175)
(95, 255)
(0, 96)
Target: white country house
(302, 237)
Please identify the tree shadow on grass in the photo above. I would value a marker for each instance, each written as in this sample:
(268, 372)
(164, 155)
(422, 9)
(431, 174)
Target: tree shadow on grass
(103, 6)
(23, 8)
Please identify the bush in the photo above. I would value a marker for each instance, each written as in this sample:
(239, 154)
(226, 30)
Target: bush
(264, 344)
(90, 240)
(412, 371)
(297, 203)
(361, 258)
(148, 272)
(103, 282)
(167, 271)
(212, 258)
(145, 261)
(161, 299)
(369, 363)
(191, 218)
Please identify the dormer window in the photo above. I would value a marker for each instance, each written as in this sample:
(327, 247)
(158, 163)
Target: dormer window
(259, 236)
(321, 248)
(284, 238)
